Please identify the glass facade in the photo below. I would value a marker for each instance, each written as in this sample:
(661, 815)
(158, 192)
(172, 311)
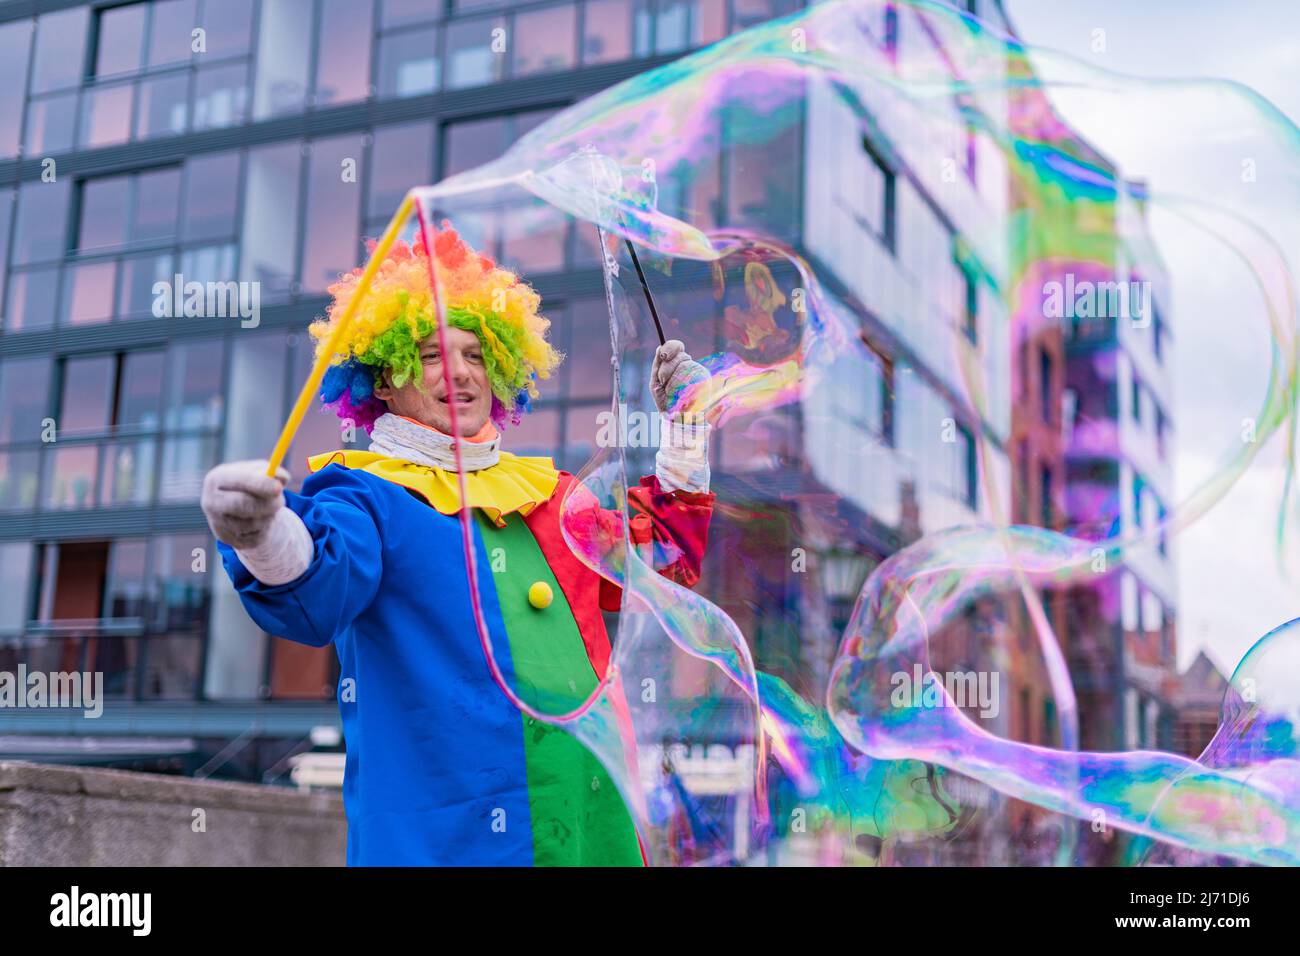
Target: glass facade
(150, 145)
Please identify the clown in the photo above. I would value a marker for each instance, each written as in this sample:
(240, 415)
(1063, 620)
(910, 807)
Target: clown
(442, 768)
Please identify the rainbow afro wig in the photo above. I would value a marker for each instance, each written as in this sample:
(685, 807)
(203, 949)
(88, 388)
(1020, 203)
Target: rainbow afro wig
(397, 315)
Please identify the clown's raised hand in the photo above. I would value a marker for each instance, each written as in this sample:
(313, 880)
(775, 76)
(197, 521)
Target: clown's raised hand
(246, 510)
(672, 371)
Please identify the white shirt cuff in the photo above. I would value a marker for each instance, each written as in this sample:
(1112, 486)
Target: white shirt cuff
(284, 555)
(682, 462)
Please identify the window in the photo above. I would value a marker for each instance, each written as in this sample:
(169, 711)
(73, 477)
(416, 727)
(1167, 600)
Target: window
(211, 186)
(71, 474)
(156, 197)
(515, 227)
(331, 244)
(588, 368)
(157, 586)
(220, 96)
(257, 390)
(282, 77)
(120, 43)
(16, 580)
(607, 31)
(672, 25)
(533, 236)
(1048, 506)
(1045, 386)
(15, 45)
(136, 278)
(118, 213)
(162, 106)
(88, 293)
(104, 204)
(24, 393)
(170, 33)
(60, 46)
(41, 229)
(130, 464)
(269, 245)
(1128, 594)
(545, 40)
(400, 157)
(192, 414)
(228, 27)
(125, 590)
(408, 63)
(861, 393)
(195, 372)
(1162, 518)
(343, 52)
(19, 478)
(473, 143)
(968, 478)
(970, 303)
(748, 13)
(398, 13)
(147, 60)
(51, 124)
(709, 22)
(1137, 500)
(139, 392)
(1024, 464)
(471, 57)
(24, 396)
(32, 297)
(878, 211)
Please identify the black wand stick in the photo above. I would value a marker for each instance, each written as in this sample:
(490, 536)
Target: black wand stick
(645, 286)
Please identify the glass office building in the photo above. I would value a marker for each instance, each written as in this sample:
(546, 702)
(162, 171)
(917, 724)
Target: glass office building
(260, 141)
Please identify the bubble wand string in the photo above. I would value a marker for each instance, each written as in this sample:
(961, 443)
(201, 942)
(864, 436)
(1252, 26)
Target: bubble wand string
(312, 385)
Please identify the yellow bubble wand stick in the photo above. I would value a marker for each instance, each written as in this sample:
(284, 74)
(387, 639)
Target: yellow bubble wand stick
(312, 385)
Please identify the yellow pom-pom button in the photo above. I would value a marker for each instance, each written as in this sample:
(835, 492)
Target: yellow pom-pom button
(539, 595)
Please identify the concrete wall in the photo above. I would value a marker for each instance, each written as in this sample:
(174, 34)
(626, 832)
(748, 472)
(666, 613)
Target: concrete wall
(79, 816)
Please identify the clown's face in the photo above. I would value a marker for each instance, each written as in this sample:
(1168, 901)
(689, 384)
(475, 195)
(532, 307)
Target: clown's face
(432, 405)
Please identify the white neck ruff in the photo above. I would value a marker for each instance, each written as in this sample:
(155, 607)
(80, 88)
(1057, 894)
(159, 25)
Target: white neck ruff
(398, 437)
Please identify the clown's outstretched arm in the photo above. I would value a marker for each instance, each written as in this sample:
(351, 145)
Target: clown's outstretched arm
(304, 565)
(670, 510)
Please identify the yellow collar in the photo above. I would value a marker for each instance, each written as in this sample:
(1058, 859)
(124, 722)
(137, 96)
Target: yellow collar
(512, 484)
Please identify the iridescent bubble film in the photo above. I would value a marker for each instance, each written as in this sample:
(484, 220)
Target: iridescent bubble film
(938, 331)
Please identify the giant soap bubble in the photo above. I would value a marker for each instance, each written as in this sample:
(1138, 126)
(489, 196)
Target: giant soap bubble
(860, 218)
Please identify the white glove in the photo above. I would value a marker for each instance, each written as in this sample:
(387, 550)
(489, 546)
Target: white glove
(672, 370)
(245, 509)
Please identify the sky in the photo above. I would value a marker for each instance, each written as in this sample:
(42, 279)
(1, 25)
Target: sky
(1230, 588)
